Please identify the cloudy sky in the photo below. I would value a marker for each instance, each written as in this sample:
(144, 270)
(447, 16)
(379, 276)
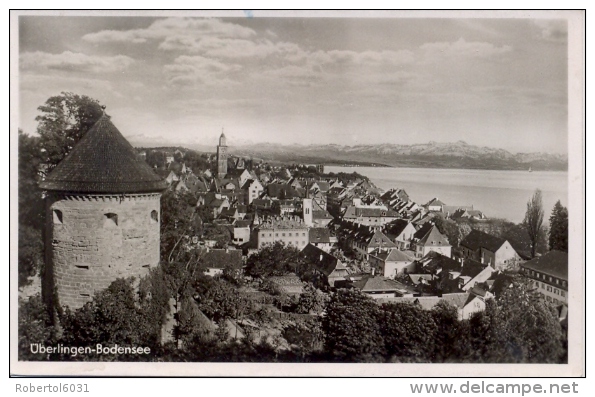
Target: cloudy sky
(493, 82)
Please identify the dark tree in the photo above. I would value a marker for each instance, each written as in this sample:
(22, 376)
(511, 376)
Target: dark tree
(488, 339)
(156, 158)
(179, 222)
(274, 260)
(534, 220)
(34, 327)
(306, 337)
(31, 261)
(219, 299)
(351, 328)
(116, 315)
(31, 209)
(531, 324)
(64, 120)
(450, 343)
(409, 332)
(559, 228)
(311, 300)
(219, 233)
(30, 199)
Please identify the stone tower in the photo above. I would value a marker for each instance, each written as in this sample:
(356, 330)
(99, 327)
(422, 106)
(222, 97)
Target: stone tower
(102, 217)
(222, 157)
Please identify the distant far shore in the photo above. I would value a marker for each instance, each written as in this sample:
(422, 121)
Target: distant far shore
(438, 166)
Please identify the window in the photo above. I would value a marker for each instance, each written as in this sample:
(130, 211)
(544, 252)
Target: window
(262, 235)
(82, 267)
(110, 220)
(282, 234)
(562, 293)
(154, 217)
(57, 215)
(289, 234)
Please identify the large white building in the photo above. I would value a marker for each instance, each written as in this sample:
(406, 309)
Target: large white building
(290, 230)
(549, 275)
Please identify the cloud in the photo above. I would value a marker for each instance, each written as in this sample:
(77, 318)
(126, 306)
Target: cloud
(464, 49)
(552, 29)
(173, 27)
(364, 58)
(74, 62)
(295, 75)
(227, 48)
(192, 70)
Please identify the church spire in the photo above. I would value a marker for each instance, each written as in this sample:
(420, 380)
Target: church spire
(222, 139)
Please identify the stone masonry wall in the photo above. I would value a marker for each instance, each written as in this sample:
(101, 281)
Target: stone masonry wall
(93, 240)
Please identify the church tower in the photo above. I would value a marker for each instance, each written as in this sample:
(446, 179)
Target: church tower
(102, 217)
(222, 157)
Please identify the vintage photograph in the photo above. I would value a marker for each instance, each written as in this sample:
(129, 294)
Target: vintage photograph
(380, 188)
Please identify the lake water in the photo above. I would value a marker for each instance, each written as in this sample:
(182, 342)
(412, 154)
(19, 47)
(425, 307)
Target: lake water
(498, 194)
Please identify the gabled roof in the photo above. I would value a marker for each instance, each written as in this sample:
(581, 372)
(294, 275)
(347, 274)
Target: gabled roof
(417, 278)
(240, 223)
(227, 212)
(434, 239)
(321, 260)
(423, 231)
(458, 300)
(320, 235)
(354, 212)
(396, 227)
(376, 284)
(472, 268)
(321, 215)
(103, 162)
(264, 203)
(553, 263)
(477, 239)
(394, 255)
(220, 258)
(435, 202)
(434, 261)
(379, 240)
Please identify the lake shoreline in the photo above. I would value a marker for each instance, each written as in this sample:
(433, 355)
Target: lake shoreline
(497, 193)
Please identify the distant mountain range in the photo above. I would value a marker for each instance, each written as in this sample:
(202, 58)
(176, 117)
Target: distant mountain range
(430, 155)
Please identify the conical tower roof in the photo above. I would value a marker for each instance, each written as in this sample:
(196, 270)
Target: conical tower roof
(103, 162)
